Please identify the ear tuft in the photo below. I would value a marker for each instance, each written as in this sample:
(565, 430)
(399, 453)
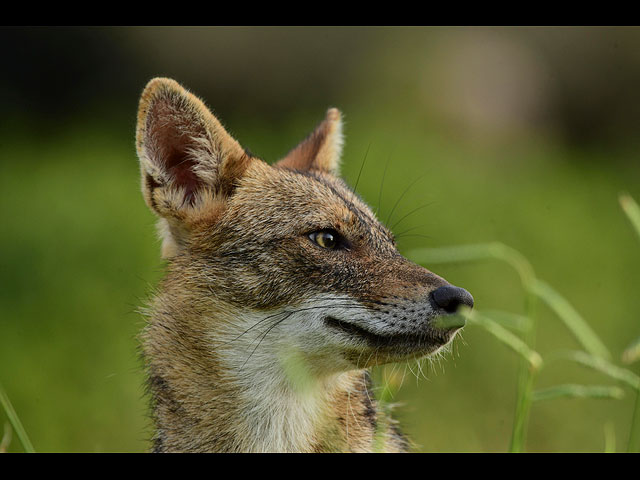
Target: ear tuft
(320, 151)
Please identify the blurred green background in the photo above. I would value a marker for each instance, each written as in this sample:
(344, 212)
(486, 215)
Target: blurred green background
(520, 135)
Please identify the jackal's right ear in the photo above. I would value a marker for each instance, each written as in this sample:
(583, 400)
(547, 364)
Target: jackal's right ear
(321, 150)
(186, 155)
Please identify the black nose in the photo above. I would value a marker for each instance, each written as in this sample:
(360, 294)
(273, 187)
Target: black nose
(449, 298)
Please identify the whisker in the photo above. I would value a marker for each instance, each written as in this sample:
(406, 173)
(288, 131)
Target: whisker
(277, 322)
(410, 213)
(345, 305)
(404, 374)
(416, 227)
(411, 370)
(419, 364)
(362, 167)
(402, 195)
(384, 174)
(416, 235)
(288, 314)
(264, 336)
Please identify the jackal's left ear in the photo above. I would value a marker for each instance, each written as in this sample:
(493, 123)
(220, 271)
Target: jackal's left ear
(185, 153)
(321, 150)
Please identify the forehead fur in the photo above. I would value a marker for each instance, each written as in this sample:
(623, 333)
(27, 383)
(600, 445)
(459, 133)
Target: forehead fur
(311, 199)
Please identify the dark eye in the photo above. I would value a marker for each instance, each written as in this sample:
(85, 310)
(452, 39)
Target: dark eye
(326, 238)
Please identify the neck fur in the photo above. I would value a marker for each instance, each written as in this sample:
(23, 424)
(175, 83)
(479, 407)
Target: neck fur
(238, 393)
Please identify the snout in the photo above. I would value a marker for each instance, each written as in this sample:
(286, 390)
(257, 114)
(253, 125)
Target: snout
(449, 298)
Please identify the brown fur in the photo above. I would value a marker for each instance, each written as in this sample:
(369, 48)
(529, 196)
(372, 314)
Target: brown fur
(242, 347)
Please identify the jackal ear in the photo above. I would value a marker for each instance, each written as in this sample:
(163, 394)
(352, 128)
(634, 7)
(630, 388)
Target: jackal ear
(321, 150)
(185, 154)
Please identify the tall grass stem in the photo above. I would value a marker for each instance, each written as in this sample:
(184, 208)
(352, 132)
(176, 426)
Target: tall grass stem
(15, 421)
(572, 319)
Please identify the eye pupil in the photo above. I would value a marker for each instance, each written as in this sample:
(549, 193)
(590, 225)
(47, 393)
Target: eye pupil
(325, 239)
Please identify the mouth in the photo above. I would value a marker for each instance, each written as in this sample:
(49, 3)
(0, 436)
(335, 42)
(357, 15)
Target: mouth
(438, 333)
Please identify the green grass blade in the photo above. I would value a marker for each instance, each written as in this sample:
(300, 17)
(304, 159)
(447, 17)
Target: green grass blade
(475, 252)
(505, 336)
(609, 438)
(632, 352)
(572, 319)
(597, 363)
(532, 362)
(509, 320)
(631, 209)
(15, 421)
(389, 382)
(450, 321)
(634, 434)
(523, 408)
(578, 391)
(6, 438)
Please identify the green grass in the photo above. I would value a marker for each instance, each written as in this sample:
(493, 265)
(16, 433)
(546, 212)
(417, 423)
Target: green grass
(79, 255)
(17, 424)
(595, 356)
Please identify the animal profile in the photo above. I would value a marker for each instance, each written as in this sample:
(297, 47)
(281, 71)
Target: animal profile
(281, 290)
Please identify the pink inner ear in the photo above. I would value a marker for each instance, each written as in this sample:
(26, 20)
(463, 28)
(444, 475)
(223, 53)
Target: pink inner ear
(173, 137)
(180, 167)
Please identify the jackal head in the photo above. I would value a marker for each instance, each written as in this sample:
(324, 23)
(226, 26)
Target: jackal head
(285, 254)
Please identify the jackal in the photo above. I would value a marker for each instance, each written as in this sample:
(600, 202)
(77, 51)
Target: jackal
(282, 289)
